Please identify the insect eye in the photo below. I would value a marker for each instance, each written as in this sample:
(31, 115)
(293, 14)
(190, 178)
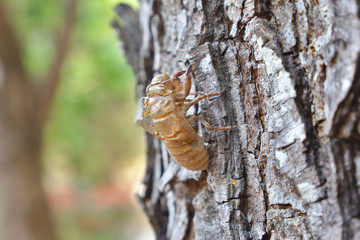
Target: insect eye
(147, 91)
(163, 91)
(158, 90)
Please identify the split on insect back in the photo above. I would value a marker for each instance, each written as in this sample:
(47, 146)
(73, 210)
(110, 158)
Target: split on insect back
(162, 113)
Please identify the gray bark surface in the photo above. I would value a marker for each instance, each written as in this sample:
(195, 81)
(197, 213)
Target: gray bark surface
(291, 75)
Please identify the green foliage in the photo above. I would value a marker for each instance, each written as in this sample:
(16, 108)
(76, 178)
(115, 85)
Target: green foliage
(91, 132)
(36, 22)
(91, 123)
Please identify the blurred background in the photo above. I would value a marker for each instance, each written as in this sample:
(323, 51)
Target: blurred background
(93, 154)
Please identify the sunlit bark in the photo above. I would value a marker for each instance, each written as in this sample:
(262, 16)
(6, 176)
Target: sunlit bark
(291, 75)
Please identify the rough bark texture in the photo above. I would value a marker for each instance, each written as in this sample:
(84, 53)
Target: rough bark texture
(291, 73)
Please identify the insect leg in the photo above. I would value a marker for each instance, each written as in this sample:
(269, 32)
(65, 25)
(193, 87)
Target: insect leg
(176, 75)
(176, 81)
(195, 93)
(199, 98)
(207, 124)
(185, 88)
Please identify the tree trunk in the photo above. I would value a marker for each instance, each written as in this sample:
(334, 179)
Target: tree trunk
(291, 75)
(24, 106)
(23, 210)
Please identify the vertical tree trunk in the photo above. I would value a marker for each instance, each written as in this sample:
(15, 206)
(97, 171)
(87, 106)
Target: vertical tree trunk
(291, 75)
(24, 106)
(23, 210)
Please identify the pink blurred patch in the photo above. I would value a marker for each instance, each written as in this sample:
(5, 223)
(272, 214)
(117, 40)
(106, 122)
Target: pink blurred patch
(104, 196)
(61, 199)
(111, 196)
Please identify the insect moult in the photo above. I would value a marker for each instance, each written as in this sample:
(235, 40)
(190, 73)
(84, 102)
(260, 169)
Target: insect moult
(162, 113)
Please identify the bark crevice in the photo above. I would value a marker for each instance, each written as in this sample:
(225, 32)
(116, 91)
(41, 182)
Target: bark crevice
(279, 65)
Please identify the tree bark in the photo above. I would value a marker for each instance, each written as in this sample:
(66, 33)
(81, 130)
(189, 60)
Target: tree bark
(291, 75)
